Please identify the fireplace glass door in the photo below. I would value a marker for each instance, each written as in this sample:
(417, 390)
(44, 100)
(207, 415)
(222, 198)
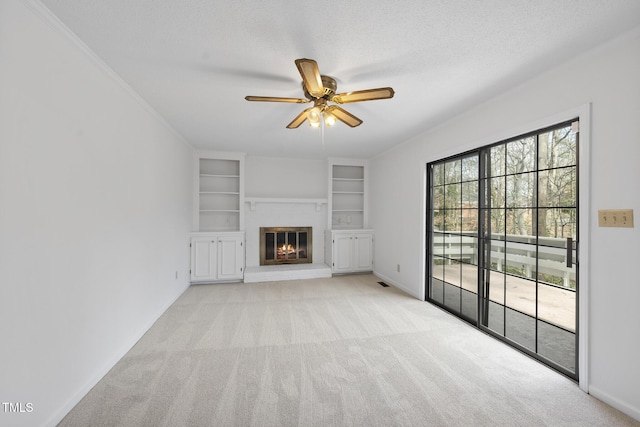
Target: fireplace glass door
(280, 245)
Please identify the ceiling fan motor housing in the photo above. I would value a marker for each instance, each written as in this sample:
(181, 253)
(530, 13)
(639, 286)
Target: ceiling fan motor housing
(330, 87)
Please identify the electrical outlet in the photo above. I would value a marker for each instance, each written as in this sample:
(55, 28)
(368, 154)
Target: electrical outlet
(615, 218)
(398, 268)
(176, 274)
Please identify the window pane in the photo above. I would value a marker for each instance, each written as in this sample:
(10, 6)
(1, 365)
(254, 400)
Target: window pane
(521, 155)
(437, 290)
(521, 258)
(495, 316)
(452, 297)
(557, 306)
(453, 247)
(452, 274)
(557, 148)
(521, 299)
(438, 197)
(497, 260)
(520, 222)
(521, 294)
(496, 188)
(438, 220)
(470, 168)
(469, 222)
(437, 244)
(496, 219)
(438, 174)
(520, 328)
(437, 267)
(452, 195)
(469, 304)
(557, 223)
(521, 190)
(557, 344)
(469, 277)
(495, 282)
(498, 156)
(452, 220)
(469, 194)
(452, 171)
(469, 249)
(557, 187)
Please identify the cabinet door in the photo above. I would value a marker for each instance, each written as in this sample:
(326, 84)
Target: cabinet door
(342, 253)
(230, 257)
(203, 258)
(363, 247)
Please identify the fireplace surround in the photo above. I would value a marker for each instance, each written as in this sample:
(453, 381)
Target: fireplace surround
(285, 245)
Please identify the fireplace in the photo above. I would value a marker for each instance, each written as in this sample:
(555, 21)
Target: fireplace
(285, 245)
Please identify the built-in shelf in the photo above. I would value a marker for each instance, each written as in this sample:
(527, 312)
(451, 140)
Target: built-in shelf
(347, 193)
(219, 192)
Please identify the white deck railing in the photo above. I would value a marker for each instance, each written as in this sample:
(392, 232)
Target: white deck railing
(519, 253)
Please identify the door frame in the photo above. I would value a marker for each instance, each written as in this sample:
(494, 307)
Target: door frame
(583, 113)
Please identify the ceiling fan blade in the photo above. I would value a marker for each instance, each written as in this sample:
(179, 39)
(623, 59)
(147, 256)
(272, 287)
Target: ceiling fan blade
(310, 73)
(276, 99)
(363, 95)
(300, 118)
(344, 116)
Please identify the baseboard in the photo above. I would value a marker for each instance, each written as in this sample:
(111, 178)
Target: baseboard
(398, 285)
(620, 405)
(104, 369)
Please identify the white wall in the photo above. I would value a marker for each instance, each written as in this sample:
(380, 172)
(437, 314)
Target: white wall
(95, 200)
(284, 177)
(608, 79)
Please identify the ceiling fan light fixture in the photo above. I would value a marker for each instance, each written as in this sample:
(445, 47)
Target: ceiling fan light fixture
(329, 119)
(314, 117)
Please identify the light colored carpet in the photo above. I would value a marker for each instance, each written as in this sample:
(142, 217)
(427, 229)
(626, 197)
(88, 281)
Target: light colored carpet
(340, 351)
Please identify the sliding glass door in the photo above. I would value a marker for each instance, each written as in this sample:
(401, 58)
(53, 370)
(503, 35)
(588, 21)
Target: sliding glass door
(454, 235)
(502, 241)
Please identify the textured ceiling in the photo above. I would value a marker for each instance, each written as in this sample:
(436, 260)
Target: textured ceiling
(194, 61)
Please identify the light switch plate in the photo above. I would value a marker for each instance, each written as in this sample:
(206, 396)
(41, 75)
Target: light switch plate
(615, 218)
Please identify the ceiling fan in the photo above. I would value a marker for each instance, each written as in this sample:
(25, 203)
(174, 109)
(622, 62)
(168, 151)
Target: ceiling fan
(321, 90)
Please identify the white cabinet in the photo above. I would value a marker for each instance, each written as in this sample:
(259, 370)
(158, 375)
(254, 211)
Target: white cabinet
(349, 251)
(219, 191)
(217, 257)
